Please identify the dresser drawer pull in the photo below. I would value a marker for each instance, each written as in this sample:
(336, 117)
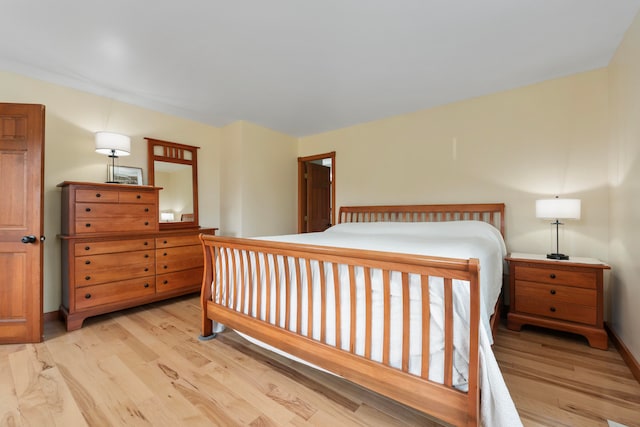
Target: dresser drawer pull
(165, 282)
(146, 269)
(98, 195)
(146, 209)
(86, 248)
(138, 196)
(552, 309)
(146, 285)
(164, 254)
(146, 255)
(87, 262)
(87, 225)
(87, 210)
(165, 266)
(553, 276)
(87, 277)
(165, 242)
(552, 291)
(87, 296)
(146, 223)
(146, 243)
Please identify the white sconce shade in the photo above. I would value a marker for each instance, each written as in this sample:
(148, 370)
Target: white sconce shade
(558, 208)
(113, 144)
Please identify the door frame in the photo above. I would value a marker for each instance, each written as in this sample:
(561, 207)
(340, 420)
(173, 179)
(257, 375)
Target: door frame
(302, 200)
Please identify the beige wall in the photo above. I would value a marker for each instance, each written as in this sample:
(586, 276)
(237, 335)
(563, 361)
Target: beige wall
(259, 177)
(71, 119)
(624, 84)
(513, 147)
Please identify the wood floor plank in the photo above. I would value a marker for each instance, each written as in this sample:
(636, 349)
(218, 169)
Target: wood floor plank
(145, 366)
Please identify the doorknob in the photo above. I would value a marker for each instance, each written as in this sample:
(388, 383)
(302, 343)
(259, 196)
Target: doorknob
(29, 239)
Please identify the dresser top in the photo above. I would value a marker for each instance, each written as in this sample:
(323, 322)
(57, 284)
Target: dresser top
(107, 185)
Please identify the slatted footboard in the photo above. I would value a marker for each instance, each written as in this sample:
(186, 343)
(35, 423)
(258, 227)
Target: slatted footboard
(308, 301)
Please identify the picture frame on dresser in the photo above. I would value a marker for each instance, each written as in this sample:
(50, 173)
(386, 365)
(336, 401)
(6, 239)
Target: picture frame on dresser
(125, 174)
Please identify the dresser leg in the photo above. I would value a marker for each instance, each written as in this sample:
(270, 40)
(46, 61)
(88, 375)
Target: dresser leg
(598, 339)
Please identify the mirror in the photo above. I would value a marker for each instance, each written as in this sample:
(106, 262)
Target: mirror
(174, 167)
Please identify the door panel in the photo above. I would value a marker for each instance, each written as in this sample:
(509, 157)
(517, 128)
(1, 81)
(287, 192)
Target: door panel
(318, 197)
(21, 195)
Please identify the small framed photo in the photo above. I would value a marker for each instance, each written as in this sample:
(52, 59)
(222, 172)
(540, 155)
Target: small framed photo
(125, 174)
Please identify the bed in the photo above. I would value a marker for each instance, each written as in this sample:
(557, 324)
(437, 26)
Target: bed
(389, 298)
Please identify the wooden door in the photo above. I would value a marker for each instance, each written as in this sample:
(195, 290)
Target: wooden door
(21, 222)
(316, 192)
(318, 197)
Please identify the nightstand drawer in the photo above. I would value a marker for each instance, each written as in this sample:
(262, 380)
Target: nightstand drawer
(580, 279)
(558, 310)
(554, 294)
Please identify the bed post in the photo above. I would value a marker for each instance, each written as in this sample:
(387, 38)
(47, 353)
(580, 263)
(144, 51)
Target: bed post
(206, 326)
(473, 394)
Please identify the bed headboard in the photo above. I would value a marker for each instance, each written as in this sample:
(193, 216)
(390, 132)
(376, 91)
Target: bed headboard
(492, 213)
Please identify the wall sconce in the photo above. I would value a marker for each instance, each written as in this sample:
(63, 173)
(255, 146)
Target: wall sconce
(112, 145)
(558, 209)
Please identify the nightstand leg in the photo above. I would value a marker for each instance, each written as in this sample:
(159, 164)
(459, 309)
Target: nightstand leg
(513, 323)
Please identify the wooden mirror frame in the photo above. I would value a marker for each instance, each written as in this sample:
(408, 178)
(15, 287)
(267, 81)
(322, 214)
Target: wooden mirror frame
(173, 152)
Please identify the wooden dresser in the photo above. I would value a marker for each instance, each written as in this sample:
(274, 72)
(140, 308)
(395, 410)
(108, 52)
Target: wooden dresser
(558, 294)
(113, 254)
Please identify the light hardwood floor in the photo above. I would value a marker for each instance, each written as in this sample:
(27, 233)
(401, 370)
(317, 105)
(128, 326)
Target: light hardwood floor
(145, 366)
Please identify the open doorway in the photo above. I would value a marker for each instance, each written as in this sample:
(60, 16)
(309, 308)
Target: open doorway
(316, 192)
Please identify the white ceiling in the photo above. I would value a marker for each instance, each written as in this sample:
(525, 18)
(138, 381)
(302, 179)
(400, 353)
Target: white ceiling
(301, 66)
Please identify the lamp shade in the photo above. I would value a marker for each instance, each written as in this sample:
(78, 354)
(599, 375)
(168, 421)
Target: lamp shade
(558, 208)
(110, 143)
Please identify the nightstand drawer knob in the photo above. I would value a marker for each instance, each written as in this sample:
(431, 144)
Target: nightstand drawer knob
(552, 291)
(87, 296)
(552, 309)
(553, 276)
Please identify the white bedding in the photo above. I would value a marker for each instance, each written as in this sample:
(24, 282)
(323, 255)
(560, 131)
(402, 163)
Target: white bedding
(458, 239)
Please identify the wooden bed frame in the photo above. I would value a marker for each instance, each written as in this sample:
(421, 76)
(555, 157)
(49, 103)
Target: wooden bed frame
(443, 401)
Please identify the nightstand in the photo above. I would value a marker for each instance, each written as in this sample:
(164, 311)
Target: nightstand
(557, 294)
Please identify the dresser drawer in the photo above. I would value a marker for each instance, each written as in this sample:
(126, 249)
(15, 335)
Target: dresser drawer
(137, 197)
(95, 248)
(109, 225)
(553, 294)
(586, 279)
(94, 269)
(170, 241)
(186, 279)
(106, 210)
(93, 196)
(114, 292)
(178, 258)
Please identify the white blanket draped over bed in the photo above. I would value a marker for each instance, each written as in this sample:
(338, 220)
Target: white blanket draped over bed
(456, 239)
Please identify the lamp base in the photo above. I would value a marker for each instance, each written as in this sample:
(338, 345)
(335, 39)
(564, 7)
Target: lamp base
(557, 256)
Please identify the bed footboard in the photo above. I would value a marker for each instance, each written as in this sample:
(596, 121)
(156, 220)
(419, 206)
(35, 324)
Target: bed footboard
(345, 310)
